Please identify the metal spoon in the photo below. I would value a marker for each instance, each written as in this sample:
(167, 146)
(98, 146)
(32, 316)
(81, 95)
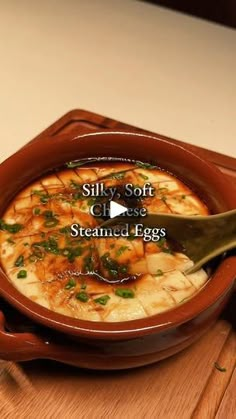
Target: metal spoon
(201, 237)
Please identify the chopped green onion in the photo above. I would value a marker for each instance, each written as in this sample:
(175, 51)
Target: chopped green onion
(19, 261)
(88, 264)
(102, 300)
(2, 224)
(72, 164)
(11, 228)
(72, 252)
(143, 176)
(82, 296)
(74, 184)
(145, 165)
(22, 274)
(159, 272)
(121, 250)
(52, 222)
(78, 163)
(161, 242)
(131, 237)
(77, 196)
(118, 175)
(49, 246)
(219, 368)
(65, 230)
(70, 284)
(44, 199)
(124, 292)
(112, 266)
(48, 214)
(123, 269)
(38, 192)
(36, 211)
(91, 202)
(9, 240)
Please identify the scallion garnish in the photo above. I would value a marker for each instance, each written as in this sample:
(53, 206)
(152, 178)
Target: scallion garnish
(143, 176)
(44, 197)
(78, 163)
(121, 250)
(82, 296)
(74, 184)
(112, 266)
(162, 244)
(19, 261)
(72, 252)
(88, 264)
(219, 368)
(118, 175)
(145, 165)
(9, 240)
(70, 284)
(159, 272)
(11, 228)
(91, 202)
(48, 214)
(36, 211)
(51, 222)
(102, 300)
(22, 274)
(124, 292)
(65, 230)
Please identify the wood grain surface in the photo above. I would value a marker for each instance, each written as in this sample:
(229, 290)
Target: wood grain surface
(187, 385)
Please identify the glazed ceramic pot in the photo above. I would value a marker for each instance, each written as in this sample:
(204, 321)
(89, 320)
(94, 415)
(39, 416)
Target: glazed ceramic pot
(101, 345)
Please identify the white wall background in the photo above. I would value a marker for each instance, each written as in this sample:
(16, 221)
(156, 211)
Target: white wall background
(132, 61)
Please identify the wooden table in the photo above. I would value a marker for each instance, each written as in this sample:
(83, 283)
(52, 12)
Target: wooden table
(183, 386)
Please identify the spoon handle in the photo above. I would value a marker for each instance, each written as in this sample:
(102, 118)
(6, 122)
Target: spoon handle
(217, 233)
(201, 237)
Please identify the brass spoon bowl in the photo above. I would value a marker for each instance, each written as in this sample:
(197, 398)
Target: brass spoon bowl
(201, 237)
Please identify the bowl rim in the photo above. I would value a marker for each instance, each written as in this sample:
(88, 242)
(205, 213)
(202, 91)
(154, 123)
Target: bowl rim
(221, 281)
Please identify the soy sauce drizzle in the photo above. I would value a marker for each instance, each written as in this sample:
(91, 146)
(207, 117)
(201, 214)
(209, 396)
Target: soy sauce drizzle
(97, 276)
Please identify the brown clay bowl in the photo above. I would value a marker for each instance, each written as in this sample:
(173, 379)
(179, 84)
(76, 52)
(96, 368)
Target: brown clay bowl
(133, 343)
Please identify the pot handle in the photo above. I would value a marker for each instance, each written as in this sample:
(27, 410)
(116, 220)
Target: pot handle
(21, 346)
(27, 346)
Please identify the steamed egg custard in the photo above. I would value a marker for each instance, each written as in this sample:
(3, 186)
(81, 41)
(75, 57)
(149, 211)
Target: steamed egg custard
(108, 279)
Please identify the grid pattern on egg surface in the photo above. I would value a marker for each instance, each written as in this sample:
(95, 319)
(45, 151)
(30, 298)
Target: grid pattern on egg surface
(162, 284)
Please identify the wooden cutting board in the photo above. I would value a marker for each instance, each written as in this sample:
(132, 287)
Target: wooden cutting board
(187, 385)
